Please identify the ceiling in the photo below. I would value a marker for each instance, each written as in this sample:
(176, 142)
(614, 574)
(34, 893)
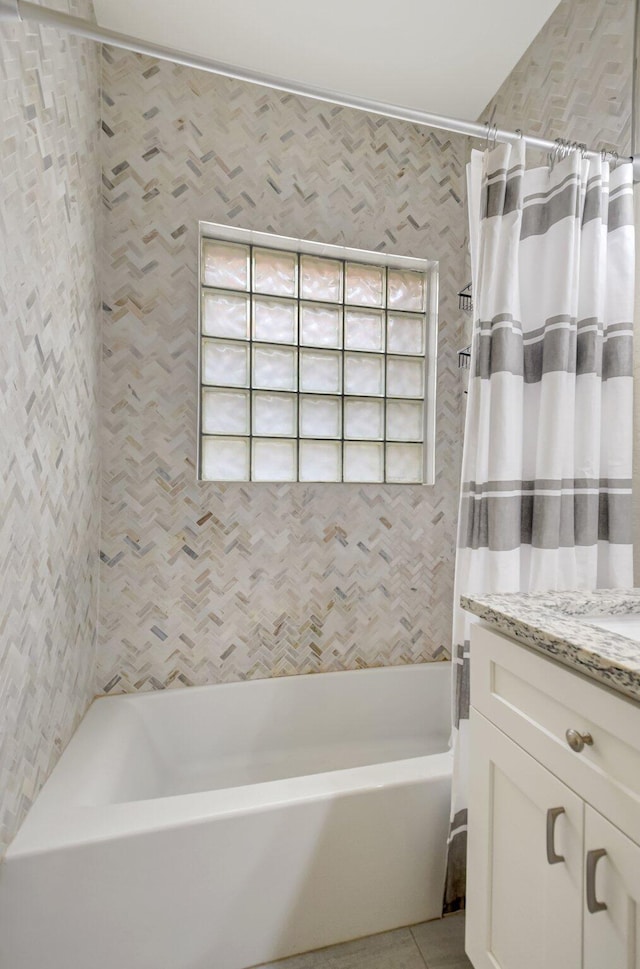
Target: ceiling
(442, 56)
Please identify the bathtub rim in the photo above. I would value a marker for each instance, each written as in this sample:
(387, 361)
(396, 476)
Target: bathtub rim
(77, 826)
(444, 666)
(56, 822)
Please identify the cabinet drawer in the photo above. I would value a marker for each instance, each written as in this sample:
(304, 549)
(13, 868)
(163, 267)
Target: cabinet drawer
(535, 700)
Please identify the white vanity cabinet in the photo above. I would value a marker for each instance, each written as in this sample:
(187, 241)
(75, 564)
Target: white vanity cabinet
(612, 939)
(554, 833)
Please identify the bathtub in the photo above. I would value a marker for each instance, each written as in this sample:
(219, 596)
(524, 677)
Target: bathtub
(220, 827)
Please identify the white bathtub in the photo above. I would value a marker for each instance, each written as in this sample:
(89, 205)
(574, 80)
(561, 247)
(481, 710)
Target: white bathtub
(225, 826)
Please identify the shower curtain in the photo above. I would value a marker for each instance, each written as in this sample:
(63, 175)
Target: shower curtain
(546, 472)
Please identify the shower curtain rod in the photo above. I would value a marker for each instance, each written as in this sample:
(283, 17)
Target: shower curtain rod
(23, 10)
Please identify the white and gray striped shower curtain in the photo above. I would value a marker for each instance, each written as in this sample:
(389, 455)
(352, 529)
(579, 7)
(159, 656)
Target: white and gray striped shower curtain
(546, 472)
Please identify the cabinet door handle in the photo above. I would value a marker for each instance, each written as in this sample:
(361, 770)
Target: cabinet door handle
(552, 814)
(593, 857)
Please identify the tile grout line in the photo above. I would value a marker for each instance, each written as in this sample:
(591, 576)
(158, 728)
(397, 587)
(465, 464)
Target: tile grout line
(415, 942)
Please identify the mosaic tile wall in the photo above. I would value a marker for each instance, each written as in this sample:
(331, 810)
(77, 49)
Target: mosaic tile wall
(574, 81)
(202, 583)
(49, 308)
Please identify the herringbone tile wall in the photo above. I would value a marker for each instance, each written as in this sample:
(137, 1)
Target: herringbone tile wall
(49, 307)
(574, 81)
(203, 583)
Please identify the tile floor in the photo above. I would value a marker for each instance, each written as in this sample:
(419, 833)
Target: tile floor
(434, 945)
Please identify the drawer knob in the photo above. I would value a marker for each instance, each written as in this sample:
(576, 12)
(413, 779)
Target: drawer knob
(577, 740)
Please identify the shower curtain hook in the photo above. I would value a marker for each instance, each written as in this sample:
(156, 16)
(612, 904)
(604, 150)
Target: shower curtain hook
(491, 139)
(559, 152)
(492, 136)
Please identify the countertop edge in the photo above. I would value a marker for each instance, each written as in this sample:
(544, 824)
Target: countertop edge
(602, 669)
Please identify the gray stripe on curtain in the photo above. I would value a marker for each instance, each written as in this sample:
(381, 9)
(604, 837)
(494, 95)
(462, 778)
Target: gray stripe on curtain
(593, 202)
(503, 194)
(535, 197)
(502, 523)
(463, 686)
(454, 891)
(545, 484)
(621, 211)
(556, 347)
(537, 218)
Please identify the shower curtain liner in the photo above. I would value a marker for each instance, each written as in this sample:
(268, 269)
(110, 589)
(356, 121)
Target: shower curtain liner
(546, 472)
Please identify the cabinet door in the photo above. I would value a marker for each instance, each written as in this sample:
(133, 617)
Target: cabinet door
(611, 934)
(524, 879)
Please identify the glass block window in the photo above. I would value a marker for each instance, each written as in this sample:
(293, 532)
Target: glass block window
(317, 363)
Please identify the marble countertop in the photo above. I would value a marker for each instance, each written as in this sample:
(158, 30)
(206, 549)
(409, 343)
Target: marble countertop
(550, 622)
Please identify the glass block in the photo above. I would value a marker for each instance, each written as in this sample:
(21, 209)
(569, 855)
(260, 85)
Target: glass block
(320, 461)
(364, 285)
(407, 290)
(275, 415)
(226, 364)
(405, 334)
(275, 368)
(320, 371)
(364, 330)
(275, 272)
(363, 462)
(274, 460)
(405, 377)
(364, 420)
(320, 325)
(363, 375)
(320, 416)
(225, 412)
(404, 463)
(275, 320)
(225, 314)
(320, 279)
(404, 420)
(225, 459)
(225, 265)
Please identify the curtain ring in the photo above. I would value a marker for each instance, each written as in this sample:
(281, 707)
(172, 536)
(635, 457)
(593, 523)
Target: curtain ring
(610, 153)
(491, 139)
(554, 153)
